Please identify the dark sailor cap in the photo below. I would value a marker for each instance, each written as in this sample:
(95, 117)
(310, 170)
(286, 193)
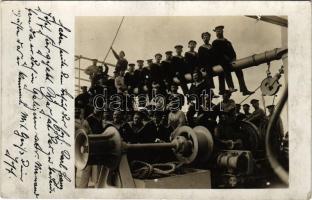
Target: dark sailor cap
(168, 52)
(192, 41)
(246, 105)
(178, 46)
(131, 64)
(254, 101)
(158, 54)
(221, 27)
(140, 61)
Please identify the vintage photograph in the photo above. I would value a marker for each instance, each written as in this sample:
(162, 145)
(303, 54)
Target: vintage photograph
(181, 102)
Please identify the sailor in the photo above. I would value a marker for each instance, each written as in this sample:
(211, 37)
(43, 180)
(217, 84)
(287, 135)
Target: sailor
(82, 99)
(198, 88)
(157, 98)
(101, 75)
(258, 117)
(225, 54)
(191, 59)
(228, 134)
(93, 123)
(162, 130)
(139, 132)
(179, 68)
(156, 73)
(206, 58)
(122, 62)
(206, 115)
(120, 81)
(246, 108)
(146, 73)
(91, 71)
(239, 116)
(139, 77)
(118, 120)
(130, 79)
(174, 96)
(176, 117)
(167, 69)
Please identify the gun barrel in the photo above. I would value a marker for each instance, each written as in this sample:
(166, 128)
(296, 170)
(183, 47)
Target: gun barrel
(254, 60)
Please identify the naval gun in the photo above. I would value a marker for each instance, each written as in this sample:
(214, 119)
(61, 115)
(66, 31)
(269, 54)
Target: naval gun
(189, 145)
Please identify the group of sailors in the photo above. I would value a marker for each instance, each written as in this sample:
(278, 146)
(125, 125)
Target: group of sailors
(155, 88)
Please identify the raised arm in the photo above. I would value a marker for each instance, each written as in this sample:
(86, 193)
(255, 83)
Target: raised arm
(115, 53)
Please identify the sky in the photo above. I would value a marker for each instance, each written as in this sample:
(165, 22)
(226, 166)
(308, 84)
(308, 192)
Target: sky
(143, 37)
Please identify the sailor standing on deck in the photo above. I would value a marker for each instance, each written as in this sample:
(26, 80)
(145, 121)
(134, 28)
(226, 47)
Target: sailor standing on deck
(258, 117)
(122, 62)
(191, 60)
(156, 71)
(130, 79)
(246, 108)
(225, 54)
(206, 58)
(179, 67)
(168, 70)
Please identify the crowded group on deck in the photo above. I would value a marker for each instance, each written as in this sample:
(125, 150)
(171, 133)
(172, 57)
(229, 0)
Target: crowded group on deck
(144, 103)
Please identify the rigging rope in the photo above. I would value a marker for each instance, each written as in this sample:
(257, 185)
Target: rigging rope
(250, 94)
(114, 38)
(143, 170)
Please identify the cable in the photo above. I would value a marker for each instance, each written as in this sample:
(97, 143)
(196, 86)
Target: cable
(250, 94)
(114, 37)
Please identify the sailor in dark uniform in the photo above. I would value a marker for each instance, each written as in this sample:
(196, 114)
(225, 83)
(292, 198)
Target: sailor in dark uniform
(163, 132)
(140, 133)
(179, 68)
(228, 132)
(101, 75)
(167, 70)
(93, 123)
(130, 79)
(191, 60)
(206, 58)
(239, 116)
(122, 62)
(175, 96)
(147, 78)
(156, 73)
(139, 77)
(206, 115)
(258, 117)
(246, 108)
(82, 99)
(198, 88)
(225, 54)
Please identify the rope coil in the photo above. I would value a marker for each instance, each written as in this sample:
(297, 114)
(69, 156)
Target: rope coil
(143, 170)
